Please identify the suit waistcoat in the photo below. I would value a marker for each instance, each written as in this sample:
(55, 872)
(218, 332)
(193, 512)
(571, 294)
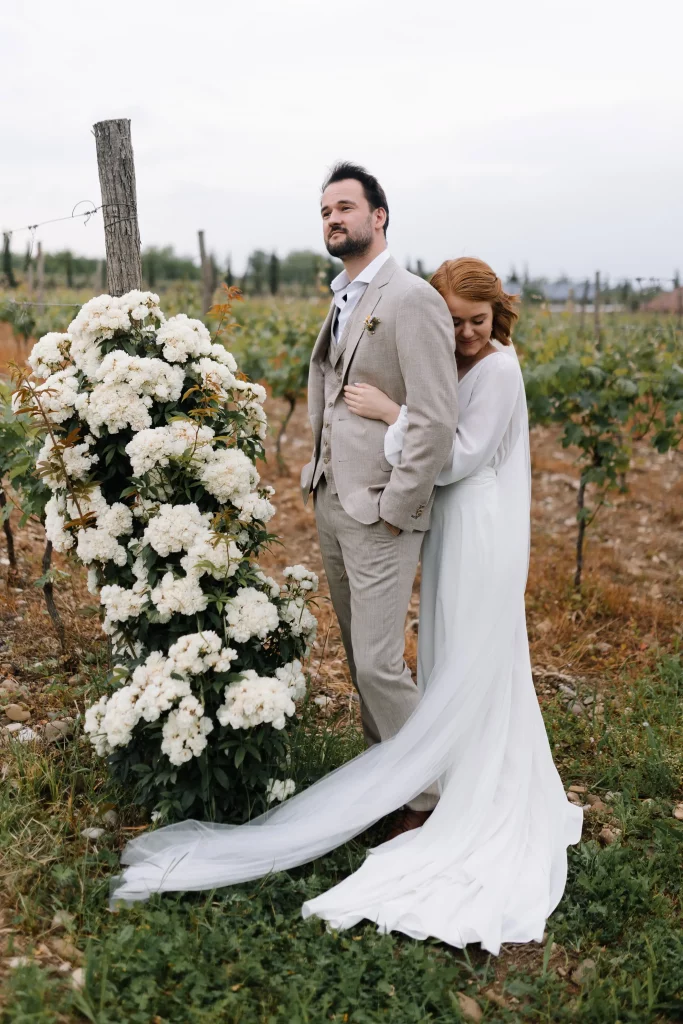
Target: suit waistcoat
(332, 366)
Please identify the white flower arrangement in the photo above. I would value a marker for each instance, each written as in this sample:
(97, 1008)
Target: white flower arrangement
(150, 457)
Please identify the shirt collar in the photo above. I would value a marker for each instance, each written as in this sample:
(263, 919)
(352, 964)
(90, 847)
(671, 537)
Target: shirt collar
(341, 281)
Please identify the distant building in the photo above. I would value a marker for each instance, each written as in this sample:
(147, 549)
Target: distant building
(566, 291)
(666, 302)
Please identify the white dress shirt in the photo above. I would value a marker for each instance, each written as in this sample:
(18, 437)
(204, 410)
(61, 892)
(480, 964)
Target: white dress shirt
(347, 294)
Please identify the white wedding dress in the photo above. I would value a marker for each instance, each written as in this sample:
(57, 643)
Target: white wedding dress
(490, 864)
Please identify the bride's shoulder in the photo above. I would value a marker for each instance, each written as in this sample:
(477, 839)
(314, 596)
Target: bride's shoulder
(500, 366)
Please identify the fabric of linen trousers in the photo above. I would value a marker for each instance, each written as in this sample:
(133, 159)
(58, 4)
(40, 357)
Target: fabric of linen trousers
(370, 574)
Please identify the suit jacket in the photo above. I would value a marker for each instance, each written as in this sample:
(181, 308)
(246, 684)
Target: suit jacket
(410, 355)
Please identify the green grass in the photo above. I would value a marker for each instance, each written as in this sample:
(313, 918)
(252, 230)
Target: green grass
(245, 955)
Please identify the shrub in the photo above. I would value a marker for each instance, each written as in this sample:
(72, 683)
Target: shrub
(151, 437)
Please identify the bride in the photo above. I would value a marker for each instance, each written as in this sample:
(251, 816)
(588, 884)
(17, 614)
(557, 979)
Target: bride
(490, 864)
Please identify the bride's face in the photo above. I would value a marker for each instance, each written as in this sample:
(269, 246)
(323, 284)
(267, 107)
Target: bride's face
(472, 323)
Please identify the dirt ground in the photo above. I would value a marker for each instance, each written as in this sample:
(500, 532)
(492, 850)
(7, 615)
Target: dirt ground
(633, 579)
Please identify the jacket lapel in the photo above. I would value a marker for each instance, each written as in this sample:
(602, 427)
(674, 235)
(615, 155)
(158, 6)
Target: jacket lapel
(323, 339)
(366, 308)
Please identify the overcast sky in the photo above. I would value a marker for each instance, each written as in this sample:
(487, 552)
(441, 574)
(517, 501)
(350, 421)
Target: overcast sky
(522, 131)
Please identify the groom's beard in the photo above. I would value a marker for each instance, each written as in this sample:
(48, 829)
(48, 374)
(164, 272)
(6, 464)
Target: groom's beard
(350, 245)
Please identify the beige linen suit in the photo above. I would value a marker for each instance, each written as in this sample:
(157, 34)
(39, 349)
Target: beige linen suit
(408, 352)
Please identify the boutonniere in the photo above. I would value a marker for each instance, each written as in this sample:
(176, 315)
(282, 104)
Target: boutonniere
(372, 323)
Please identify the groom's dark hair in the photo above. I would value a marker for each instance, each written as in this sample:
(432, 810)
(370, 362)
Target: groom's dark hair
(374, 193)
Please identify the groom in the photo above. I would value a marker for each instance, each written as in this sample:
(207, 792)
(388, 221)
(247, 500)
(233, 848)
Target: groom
(388, 328)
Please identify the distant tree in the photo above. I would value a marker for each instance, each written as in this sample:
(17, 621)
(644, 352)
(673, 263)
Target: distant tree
(257, 271)
(303, 271)
(7, 268)
(331, 271)
(421, 270)
(27, 258)
(274, 274)
(69, 268)
(168, 266)
(149, 267)
(229, 280)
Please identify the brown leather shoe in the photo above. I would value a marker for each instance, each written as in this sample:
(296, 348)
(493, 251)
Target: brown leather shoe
(406, 820)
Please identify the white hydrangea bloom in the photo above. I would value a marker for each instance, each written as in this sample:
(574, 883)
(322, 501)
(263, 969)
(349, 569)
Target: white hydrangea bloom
(273, 586)
(175, 528)
(99, 319)
(228, 475)
(127, 386)
(116, 519)
(58, 394)
(302, 577)
(250, 613)
(94, 717)
(55, 521)
(49, 354)
(198, 652)
(253, 507)
(250, 392)
(183, 595)
(122, 603)
(221, 355)
(94, 545)
(110, 721)
(140, 305)
(279, 790)
(299, 619)
(76, 458)
(217, 375)
(256, 700)
(256, 424)
(182, 337)
(158, 687)
(98, 541)
(212, 549)
(155, 447)
(185, 731)
(293, 677)
(114, 407)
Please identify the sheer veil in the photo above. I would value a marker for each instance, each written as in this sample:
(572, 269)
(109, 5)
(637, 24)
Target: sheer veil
(195, 855)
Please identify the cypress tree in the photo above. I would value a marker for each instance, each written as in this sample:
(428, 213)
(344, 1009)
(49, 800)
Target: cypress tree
(7, 260)
(274, 274)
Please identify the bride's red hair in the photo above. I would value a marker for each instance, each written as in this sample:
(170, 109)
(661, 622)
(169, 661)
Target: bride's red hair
(473, 279)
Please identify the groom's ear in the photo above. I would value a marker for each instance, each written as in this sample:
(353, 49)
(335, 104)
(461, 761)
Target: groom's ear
(380, 218)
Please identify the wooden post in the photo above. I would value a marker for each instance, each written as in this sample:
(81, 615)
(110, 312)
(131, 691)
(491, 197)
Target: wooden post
(120, 214)
(208, 285)
(596, 306)
(40, 274)
(584, 301)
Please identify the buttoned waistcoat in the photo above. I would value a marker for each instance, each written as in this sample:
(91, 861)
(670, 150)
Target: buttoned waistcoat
(400, 339)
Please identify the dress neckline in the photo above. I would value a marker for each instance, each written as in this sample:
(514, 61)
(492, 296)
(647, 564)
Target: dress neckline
(496, 352)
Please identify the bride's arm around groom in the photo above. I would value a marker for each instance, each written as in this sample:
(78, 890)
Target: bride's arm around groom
(425, 349)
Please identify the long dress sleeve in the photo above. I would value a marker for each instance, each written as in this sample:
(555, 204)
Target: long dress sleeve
(394, 437)
(483, 425)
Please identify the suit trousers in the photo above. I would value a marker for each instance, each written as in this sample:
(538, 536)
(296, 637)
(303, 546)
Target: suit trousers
(370, 574)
